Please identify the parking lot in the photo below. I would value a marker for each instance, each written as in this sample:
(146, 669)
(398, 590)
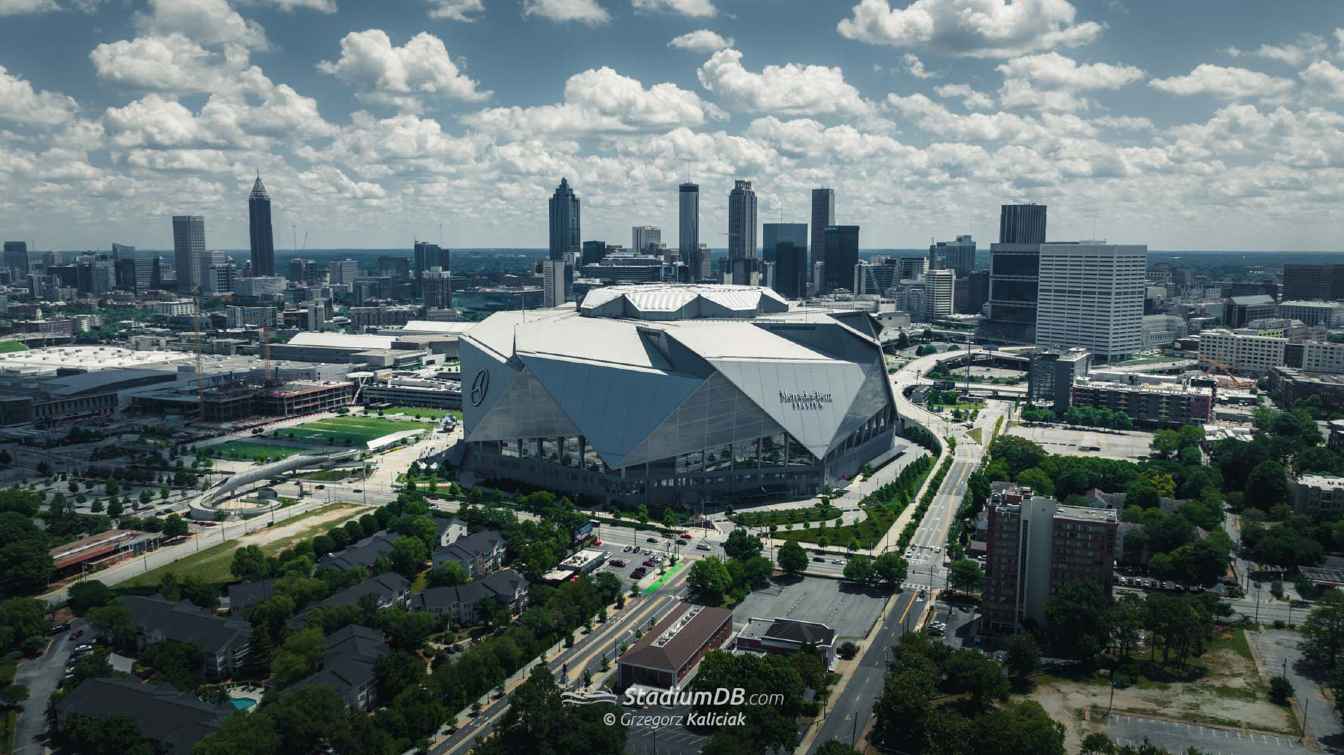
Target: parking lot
(847, 610)
(1126, 445)
(1177, 737)
(634, 559)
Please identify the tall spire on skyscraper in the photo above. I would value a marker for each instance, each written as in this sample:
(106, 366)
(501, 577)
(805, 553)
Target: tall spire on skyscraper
(259, 229)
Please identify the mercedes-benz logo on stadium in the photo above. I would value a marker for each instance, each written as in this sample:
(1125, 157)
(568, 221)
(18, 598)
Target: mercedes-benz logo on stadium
(479, 387)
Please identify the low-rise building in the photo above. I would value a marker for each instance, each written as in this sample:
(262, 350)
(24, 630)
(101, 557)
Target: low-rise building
(479, 553)
(224, 643)
(462, 603)
(1151, 404)
(785, 636)
(1327, 313)
(350, 665)
(1316, 494)
(175, 721)
(1288, 386)
(670, 651)
(363, 553)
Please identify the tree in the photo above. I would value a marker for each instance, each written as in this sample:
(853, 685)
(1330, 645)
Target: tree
(903, 710)
(178, 663)
(965, 576)
(976, 673)
(250, 564)
(709, 580)
(27, 567)
(116, 735)
(1076, 617)
(397, 671)
(741, 545)
(1267, 485)
(1019, 727)
(174, 526)
(792, 558)
(859, 569)
(1125, 619)
(408, 555)
(114, 508)
(298, 657)
(1024, 658)
(450, 574)
(1038, 480)
(1323, 631)
(87, 595)
(22, 619)
(1280, 689)
(114, 624)
(890, 569)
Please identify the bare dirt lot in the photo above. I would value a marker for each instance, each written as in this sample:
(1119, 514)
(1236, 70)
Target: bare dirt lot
(1230, 693)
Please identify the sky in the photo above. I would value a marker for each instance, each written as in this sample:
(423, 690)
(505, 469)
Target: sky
(1199, 124)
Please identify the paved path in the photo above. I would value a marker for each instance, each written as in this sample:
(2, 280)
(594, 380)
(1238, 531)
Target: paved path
(41, 676)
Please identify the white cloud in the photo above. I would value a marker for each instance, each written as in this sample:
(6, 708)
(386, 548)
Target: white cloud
(21, 7)
(1021, 93)
(329, 181)
(401, 75)
(1325, 77)
(1054, 70)
(786, 89)
(692, 8)
(970, 98)
(159, 122)
(806, 138)
(1225, 82)
(168, 63)
(23, 104)
(456, 10)
(1124, 122)
(289, 6)
(978, 28)
(1308, 46)
(702, 40)
(210, 22)
(587, 12)
(600, 100)
(916, 66)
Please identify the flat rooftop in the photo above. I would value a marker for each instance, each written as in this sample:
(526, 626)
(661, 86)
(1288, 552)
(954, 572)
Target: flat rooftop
(1321, 482)
(1086, 514)
(1169, 389)
(88, 358)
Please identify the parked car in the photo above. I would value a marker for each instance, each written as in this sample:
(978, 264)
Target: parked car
(618, 563)
(58, 628)
(686, 536)
(819, 559)
(639, 573)
(650, 539)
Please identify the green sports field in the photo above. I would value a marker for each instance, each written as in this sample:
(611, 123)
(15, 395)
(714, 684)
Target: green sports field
(243, 450)
(423, 412)
(7, 346)
(347, 431)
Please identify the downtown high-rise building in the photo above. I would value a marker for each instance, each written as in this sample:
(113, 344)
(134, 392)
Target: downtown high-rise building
(259, 228)
(188, 251)
(841, 256)
(688, 227)
(742, 231)
(790, 270)
(565, 225)
(775, 234)
(941, 286)
(1013, 280)
(645, 239)
(16, 258)
(956, 255)
(823, 215)
(1090, 296)
(1022, 224)
(1313, 282)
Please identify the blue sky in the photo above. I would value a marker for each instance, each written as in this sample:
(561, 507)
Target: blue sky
(1186, 125)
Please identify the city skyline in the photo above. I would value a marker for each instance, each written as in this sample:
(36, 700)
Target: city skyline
(371, 126)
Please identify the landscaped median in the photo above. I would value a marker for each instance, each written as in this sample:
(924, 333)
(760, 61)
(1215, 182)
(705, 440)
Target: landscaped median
(882, 507)
(925, 501)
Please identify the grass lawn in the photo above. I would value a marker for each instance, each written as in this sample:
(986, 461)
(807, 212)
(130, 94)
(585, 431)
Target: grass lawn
(348, 430)
(975, 434)
(211, 565)
(243, 450)
(8, 346)
(787, 516)
(421, 412)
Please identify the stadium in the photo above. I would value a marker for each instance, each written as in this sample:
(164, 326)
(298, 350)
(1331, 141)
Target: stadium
(670, 393)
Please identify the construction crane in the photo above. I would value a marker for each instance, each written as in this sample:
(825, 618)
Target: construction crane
(200, 349)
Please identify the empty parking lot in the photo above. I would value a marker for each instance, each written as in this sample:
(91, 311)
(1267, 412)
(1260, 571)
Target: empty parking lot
(1126, 445)
(827, 601)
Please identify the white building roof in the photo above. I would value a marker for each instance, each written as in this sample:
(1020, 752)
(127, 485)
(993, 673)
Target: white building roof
(343, 340)
(453, 327)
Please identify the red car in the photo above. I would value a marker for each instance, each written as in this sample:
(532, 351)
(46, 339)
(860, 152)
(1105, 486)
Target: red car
(649, 562)
(685, 536)
(639, 573)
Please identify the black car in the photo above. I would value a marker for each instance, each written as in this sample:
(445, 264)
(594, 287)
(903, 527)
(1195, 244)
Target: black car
(58, 628)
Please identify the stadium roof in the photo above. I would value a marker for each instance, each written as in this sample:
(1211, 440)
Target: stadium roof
(680, 301)
(343, 340)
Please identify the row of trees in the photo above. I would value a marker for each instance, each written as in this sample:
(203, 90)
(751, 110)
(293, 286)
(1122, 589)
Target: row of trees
(713, 580)
(1083, 625)
(1087, 416)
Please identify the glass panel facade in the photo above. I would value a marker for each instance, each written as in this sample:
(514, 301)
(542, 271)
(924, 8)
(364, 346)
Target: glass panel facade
(744, 454)
(570, 453)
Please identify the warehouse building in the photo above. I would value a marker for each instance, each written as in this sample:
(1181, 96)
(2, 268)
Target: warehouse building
(676, 393)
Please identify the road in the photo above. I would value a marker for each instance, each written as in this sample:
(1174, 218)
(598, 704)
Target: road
(852, 706)
(42, 675)
(568, 664)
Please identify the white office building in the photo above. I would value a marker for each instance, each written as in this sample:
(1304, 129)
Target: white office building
(1327, 313)
(1090, 296)
(1240, 352)
(941, 285)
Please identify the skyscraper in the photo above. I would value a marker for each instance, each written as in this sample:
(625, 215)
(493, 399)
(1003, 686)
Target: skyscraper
(1091, 297)
(823, 215)
(16, 257)
(774, 234)
(956, 255)
(741, 230)
(790, 266)
(188, 249)
(688, 227)
(841, 257)
(259, 227)
(1014, 275)
(1310, 282)
(437, 284)
(941, 285)
(1022, 224)
(593, 251)
(564, 222)
(644, 239)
